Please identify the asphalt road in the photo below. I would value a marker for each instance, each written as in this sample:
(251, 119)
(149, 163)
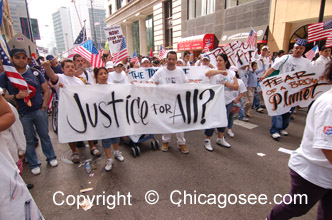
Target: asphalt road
(230, 172)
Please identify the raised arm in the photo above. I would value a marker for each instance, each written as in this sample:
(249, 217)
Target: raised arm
(49, 72)
(213, 72)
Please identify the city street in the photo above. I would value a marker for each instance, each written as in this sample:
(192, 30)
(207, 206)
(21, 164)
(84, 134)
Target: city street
(234, 171)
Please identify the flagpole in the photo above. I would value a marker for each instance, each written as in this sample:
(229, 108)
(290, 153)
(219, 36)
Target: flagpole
(79, 19)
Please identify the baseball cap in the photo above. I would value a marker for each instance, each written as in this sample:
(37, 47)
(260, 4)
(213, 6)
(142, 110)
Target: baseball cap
(49, 57)
(15, 51)
(109, 64)
(265, 47)
(145, 59)
(206, 57)
(118, 63)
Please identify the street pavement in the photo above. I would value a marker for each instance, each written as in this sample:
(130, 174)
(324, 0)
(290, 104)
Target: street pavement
(234, 171)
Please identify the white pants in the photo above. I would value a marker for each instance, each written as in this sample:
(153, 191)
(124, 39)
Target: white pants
(166, 138)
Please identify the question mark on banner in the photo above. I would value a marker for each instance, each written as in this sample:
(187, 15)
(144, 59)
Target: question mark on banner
(204, 105)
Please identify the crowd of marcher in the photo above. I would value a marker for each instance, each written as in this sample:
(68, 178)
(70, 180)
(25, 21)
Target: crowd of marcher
(311, 164)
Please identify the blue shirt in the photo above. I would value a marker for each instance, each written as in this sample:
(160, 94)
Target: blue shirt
(252, 77)
(33, 78)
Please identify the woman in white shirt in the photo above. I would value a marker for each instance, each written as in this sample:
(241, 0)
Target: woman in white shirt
(311, 164)
(101, 76)
(223, 76)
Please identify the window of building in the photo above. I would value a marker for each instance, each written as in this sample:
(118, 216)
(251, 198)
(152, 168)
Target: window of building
(110, 9)
(135, 26)
(149, 32)
(168, 24)
(118, 4)
(233, 3)
(198, 8)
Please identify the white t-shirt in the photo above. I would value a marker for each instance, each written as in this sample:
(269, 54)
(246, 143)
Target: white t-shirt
(165, 76)
(118, 78)
(219, 78)
(15, 198)
(88, 76)
(243, 74)
(67, 80)
(322, 61)
(242, 88)
(292, 64)
(260, 63)
(308, 160)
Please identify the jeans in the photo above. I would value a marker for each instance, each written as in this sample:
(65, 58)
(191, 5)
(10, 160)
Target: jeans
(106, 143)
(209, 132)
(39, 120)
(281, 122)
(257, 100)
(241, 112)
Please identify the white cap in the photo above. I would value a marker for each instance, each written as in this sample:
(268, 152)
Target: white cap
(181, 61)
(118, 63)
(265, 47)
(109, 64)
(145, 59)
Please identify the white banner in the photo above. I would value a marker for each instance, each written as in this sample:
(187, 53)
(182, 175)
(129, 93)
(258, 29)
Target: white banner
(239, 53)
(281, 92)
(141, 75)
(114, 37)
(103, 111)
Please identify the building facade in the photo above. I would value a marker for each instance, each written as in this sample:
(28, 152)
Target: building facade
(147, 25)
(290, 20)
(62, 30)
(18, 10)
(7, 30)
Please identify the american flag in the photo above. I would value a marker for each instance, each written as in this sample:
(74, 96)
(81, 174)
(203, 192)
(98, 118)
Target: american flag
(162, 52)
(251, 40)
(35, 63)
(329, 41)
(134, 58)
(207, 46)
(88, 51)
(123, 53)
(81, 37)
(311, 53)
(319, 31)
(15, 78)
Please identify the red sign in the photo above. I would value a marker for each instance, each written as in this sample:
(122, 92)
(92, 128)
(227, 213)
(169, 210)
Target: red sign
(196, 42)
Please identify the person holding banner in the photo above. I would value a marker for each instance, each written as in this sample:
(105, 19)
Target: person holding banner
(174, 75)
(118, 76)
(324, 56)
(101, 76)
(186, 58)
(145, 62)
(68, 78)
(287, 63)
(311, 164)
(223, 76)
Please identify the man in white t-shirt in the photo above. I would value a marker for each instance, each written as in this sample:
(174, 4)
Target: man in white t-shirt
(174, 75)
(83, 70)
(118, 76)
(311, 164)
(66, 79)
(287, 63)
(324, 56)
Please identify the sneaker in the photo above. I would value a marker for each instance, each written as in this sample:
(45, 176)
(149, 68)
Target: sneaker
(276, 136)
(109, 164)
(75, 158)
(35, 171)
(260, 110)
(95, 152)
(249, 115)
(183, 148)
(230, 133)
(53, 163)
(222, 142)
(118, 156)
(244, 119)
(284, 133)
(164, 147)
(207, 145)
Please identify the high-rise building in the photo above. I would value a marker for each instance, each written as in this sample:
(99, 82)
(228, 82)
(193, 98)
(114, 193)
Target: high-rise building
(17, 10)
(7, 22)
(81, 12)
(62, 30)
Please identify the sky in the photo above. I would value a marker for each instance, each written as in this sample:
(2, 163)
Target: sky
(42, 10)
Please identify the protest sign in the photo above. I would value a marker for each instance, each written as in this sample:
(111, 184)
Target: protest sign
(104, 111)
(114, 37)
(194, 73)
(297, 88)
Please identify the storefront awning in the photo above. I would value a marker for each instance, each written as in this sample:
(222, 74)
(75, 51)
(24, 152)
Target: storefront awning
(242, 35)
(197, 42)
